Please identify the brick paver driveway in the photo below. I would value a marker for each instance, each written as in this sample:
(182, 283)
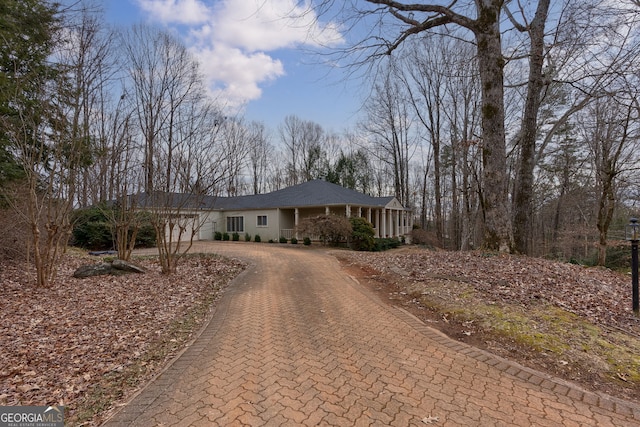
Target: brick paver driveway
(295, 341)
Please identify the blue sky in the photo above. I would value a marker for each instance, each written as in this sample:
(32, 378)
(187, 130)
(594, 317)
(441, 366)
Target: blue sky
(256, 54)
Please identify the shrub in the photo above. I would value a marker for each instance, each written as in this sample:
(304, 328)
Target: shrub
(423, 237)
(271, 241)
(146, 237)
(217, 235)
(283, 239)
(362, 234)
(93, 228)
(257, 238)
(225, 237)
(386, 244)
(331, 229)
(307, 241)
(235, 237)
(247, 237)
(294, 241)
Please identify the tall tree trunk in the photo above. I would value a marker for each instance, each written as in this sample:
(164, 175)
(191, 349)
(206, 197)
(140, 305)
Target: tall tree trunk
(524, 181)
(497, 234)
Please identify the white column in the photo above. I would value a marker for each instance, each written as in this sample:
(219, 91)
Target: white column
(360, 211)
(297, 216)
(369, 214)
(394, 221)
(383, 223)
(348, 211)
(327, 211)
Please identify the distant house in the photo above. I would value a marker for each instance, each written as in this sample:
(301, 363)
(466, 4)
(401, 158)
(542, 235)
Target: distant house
(276, 214)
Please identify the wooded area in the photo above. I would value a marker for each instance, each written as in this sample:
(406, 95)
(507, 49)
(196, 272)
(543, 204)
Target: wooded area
(506, 125)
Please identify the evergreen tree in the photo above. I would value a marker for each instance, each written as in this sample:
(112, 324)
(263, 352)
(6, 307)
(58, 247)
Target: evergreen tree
(26, 41)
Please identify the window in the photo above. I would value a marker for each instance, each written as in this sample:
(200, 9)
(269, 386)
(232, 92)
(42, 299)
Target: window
(235, 224)
(262, 220)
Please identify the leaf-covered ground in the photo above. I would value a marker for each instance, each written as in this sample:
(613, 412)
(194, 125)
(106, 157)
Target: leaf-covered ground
(568, 320)
(79, 338)
(89, 343)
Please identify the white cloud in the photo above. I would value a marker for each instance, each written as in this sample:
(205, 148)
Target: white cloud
(235, 75)
(233, 38)
(267, 25)
(188, 12)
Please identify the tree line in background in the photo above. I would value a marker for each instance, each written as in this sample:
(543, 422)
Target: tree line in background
(502, 125)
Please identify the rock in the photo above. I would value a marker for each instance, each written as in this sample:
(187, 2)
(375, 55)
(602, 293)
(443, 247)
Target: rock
(92, 270)
(116, 268)
(123, 265)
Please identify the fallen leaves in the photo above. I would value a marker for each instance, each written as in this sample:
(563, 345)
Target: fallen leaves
(571, 321)
(57, 342)
(598, 294)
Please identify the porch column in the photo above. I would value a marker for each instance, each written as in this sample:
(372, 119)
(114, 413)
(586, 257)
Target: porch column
(348, 211)
(394, 223)
(378, 223)
(360, 211)
(384, 223)
(405, 222)
(327, 211)
(297, 216)
(369, 214)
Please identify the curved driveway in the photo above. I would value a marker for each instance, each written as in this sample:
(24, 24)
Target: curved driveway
(297, 342)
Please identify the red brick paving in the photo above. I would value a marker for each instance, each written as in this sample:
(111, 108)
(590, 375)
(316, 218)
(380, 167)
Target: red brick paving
(297, 342)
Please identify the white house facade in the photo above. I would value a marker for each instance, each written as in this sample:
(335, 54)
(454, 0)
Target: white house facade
(277, 214)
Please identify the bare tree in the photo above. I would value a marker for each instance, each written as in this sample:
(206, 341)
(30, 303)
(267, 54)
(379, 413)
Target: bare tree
(424, 77)
(609, 128)
(49, 151)
(291, 133)
(389, 124)
(259, 151)
(302, 143)
(482, 20)
(180, 127)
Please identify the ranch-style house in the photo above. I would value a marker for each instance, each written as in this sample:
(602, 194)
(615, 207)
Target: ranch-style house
(276, 214)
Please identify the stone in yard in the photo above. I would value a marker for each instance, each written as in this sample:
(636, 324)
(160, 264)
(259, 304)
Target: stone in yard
(115, 268)
(123, 265)
(92, 270)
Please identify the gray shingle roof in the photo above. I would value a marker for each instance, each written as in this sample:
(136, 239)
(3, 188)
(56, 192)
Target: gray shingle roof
(307, 194)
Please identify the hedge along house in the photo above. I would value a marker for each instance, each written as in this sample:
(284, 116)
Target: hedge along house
(276, 214)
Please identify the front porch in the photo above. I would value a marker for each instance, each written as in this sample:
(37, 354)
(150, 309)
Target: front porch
(387, 222)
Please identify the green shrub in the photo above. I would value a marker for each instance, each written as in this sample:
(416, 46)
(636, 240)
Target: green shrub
(283, 239)
(386, 244)
(93, 228)
(362, 234)
(294, 241)
(271, 241)
(146, 237)
(225, 237)
(235, 237)
(307, 241)
(257, 238)
(247, 237)
(217, 235)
